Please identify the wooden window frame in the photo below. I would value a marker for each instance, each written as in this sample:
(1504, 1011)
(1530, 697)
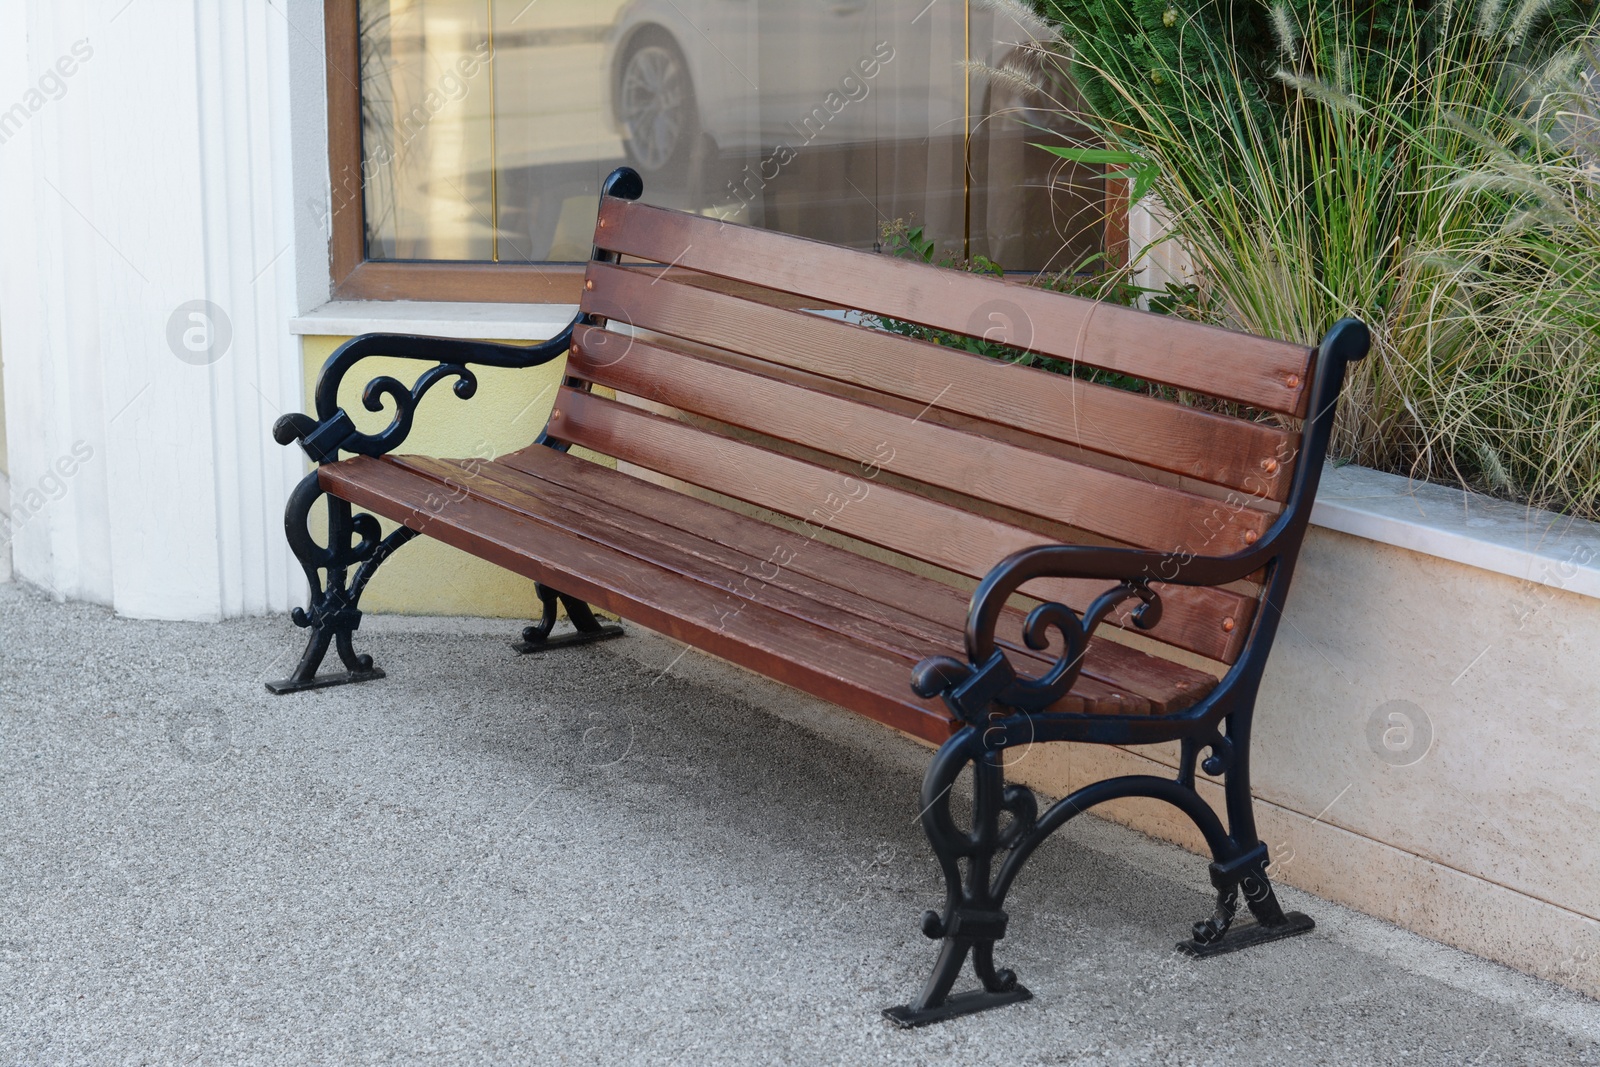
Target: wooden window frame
(355, 277)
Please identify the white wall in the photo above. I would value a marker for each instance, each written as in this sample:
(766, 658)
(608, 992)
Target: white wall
(183, 159)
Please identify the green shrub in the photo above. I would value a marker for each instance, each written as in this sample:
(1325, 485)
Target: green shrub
(1423, 167)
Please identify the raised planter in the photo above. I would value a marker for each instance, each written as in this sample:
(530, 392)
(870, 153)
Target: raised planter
(1426, 745)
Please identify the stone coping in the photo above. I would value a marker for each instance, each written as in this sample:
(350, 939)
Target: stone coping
(1494, 535)
(472, 322)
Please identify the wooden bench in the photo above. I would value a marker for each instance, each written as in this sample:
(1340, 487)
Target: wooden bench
(921, 535)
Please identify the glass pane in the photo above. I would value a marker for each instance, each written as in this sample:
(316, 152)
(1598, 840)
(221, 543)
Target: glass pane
(426, 109)
(488, 126)
(1030, 210)
(555, 136)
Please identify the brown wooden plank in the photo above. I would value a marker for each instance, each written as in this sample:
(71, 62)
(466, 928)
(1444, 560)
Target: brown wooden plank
(1252, 457)
(766, 555)
(788, 650)
(998, 431)
(440, 480)
(1127, 509)
(1251, 370)
(1091, 696)
(878, 514)
(922, 412)
(727, 570)
(1116, 680)
(893, 597)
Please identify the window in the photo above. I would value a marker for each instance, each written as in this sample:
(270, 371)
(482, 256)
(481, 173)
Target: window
(470, 137)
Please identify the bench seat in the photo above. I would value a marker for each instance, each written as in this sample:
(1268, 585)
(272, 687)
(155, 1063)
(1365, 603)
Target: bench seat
(834, 623)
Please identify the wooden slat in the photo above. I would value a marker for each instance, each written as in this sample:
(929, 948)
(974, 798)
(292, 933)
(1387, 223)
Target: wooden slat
(1114, 505)
(759, 558)
(1167, 685)
(878, 514)
(634, 538)
(789, 650)
(1116, 679)
(1248, 456)
(464, 486)
(731, 571)
(1171, 686)
(1251, 370)
(922, 412)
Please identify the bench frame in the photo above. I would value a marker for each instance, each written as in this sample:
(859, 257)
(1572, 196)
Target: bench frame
(999, 708)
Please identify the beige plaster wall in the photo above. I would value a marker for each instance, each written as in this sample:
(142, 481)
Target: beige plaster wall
(1426, 751)
(508, 412)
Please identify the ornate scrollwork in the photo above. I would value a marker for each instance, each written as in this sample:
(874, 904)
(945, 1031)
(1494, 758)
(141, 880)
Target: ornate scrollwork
(1218, 763)
(333, 430)
(405, 405)
(973, 918)
(970, 689)
(333, 614)
(981, 863)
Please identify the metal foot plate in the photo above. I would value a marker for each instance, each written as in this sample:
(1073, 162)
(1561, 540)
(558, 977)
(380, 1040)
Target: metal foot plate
(1248, 935)
(572, 637)
(322, 681)
(906, 1017)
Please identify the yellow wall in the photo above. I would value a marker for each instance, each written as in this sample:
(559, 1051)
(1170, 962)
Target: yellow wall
(508, 412)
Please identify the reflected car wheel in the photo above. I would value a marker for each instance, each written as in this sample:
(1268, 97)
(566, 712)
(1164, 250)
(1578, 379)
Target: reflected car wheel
(657, 108)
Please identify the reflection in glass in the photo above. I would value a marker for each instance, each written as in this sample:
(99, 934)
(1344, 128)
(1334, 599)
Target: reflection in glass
(488, 125)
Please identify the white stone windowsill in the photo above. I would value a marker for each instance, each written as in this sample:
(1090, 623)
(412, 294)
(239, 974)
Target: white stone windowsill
(1492, 535)
(473, 322)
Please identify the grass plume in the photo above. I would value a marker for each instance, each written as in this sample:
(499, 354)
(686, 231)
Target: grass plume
(1431, 170)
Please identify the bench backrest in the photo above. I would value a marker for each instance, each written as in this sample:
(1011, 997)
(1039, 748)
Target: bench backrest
(928, 451)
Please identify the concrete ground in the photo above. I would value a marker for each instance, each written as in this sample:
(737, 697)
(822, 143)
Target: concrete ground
(611, 854)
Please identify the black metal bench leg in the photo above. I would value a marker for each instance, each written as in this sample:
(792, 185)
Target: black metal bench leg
(585, 627)
(1006, 828)
(1245, 871)
(333, 614)
(973, 919)
(1247, 874)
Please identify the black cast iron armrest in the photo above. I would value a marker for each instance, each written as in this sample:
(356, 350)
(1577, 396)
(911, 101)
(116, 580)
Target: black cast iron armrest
(323, 437)
(989, 678)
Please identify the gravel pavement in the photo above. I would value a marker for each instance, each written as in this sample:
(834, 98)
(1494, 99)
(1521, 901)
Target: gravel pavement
(612, 854)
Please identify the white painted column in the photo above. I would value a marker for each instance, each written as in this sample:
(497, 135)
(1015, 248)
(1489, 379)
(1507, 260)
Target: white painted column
(182, 159)
(1161, 260)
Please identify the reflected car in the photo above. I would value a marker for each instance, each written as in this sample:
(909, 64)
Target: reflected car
(735, 77)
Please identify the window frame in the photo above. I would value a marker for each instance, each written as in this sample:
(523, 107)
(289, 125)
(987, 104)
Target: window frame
(355, 277)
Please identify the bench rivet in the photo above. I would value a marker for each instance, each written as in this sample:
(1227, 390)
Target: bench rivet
(1268, 465)
(1293, 381)
(589, 285)
(1227, 625)
(1249, 537)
